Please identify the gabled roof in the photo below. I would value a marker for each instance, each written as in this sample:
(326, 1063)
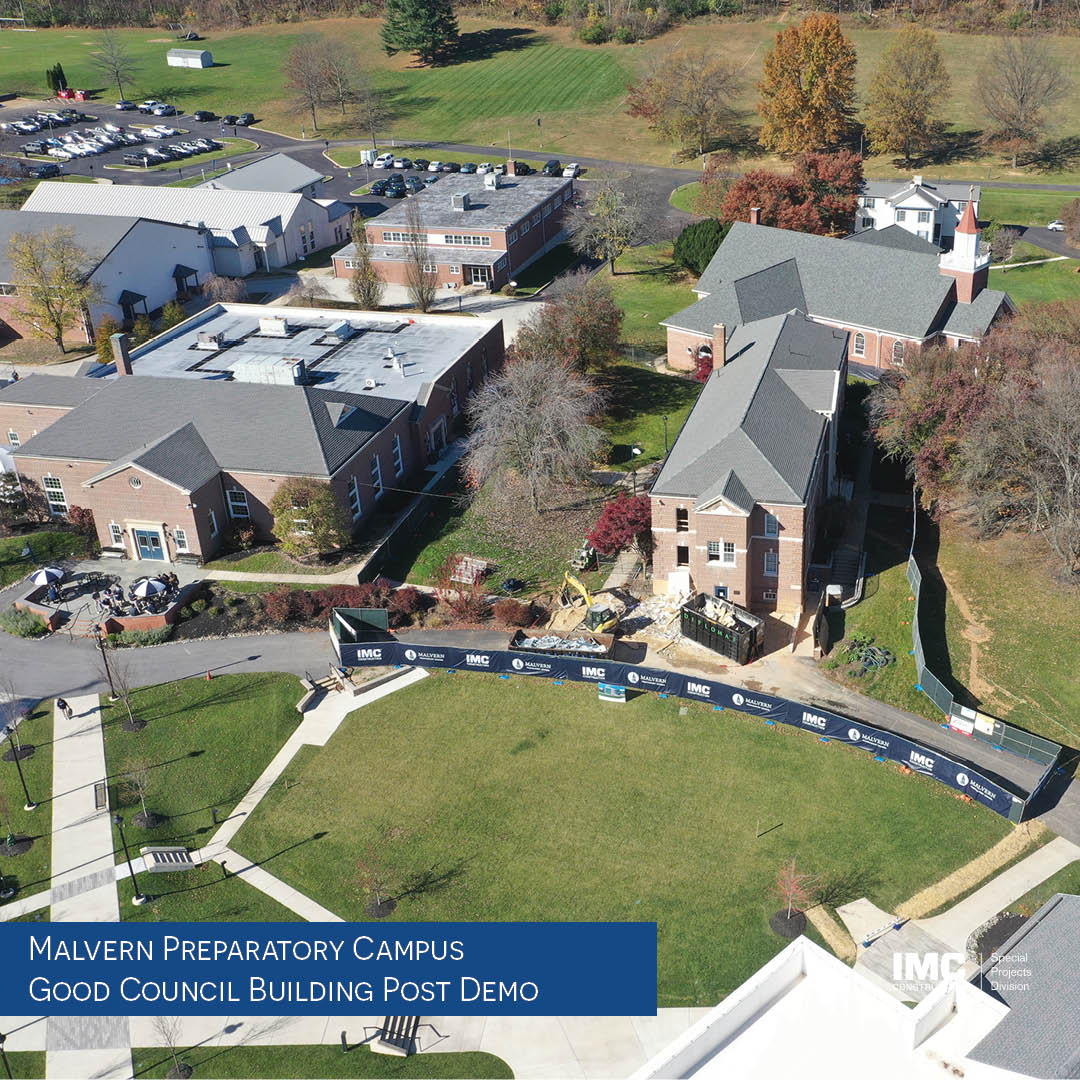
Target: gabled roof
(179, 457)
(275, 172)
(755, 431)
(133, 416)
(60, 391)
(942, 190)
(973, 320)
(96, 234)
(897, 237)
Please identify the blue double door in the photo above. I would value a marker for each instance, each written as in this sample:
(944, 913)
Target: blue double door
(148, 543)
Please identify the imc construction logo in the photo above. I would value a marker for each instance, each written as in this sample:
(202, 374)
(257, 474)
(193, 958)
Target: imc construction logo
(478, 659)
(813, 720)
(915, 972)
(369, 654)
(923, 763)
(698, 689)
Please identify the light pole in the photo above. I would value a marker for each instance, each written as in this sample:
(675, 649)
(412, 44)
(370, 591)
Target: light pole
(3, 1054)
(138, 898)
(635, 452)
(6, 891)
(665, 437)
(105, 659)
(9, 731)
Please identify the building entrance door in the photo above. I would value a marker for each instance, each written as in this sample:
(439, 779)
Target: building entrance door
(148, 544)
(720, 592)
(477, 275)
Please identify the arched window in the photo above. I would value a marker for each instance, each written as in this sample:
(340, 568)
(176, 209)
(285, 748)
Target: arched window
(898, 353)
(704, 352)
(859, 346)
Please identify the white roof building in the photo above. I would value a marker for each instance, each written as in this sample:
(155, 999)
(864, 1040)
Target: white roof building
(251, 230)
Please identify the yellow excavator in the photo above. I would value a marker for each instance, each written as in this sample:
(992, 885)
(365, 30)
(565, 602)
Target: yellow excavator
(599, 616)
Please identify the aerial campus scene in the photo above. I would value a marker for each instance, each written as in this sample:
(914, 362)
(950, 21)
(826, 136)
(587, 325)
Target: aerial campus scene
(539, 539)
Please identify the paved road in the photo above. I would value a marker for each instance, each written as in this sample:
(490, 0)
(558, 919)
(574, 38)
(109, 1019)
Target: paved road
(1049, 241)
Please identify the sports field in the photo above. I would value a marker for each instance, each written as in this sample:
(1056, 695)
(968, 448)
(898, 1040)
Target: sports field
(483, 798)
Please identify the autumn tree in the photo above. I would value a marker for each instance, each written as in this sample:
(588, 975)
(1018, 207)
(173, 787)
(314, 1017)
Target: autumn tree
(114, 61)
(1019, 84)
(365, 284)
(580, 324)
(308, 517)
(102, 344)
(420, 276)
(1071, 217)
(172, 314)
(533, 422)
(686, 96)
(793, 888)
(305, 75)
(831, 183)
(624, 524)
(51, 274)
(613, 220)
(909, 87)
(715, 183)
(427, 28)
(808, 88)
(782, 200)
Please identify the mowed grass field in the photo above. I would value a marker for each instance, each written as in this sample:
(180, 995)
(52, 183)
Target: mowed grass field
(483, 798)
(1059, 280)
(508, 76)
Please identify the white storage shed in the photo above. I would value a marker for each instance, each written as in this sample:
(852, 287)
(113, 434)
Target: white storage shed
(191, 58)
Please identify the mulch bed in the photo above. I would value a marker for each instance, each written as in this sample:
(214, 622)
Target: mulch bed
(787, 927)
(21, 846)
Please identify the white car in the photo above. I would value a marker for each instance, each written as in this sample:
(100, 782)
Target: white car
(383, 161)
(57, 152)
(571, 170)
(435, 166)
(166, 131)
(1056, 226)
(484, 167)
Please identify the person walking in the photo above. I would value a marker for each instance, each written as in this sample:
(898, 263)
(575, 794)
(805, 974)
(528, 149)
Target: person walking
(64, 707)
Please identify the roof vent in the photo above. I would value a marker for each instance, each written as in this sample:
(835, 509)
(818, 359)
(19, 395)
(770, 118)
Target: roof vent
(917, 180)
(209, 342)
(459, 200)
(337, 332)
(394, 361)
(492, 179)
(370, 384)
(274, 326)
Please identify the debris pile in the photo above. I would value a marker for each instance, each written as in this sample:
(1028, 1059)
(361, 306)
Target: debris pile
(551, 642)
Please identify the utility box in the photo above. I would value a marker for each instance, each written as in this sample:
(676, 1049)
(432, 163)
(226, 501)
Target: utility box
(723, 627)
(367, 157)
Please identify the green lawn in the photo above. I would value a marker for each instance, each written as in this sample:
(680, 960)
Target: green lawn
(195, 181)
(32, 871)
(1011, 206)
(205, 744)
(1066, 880)
(348, 157)
(557, 261)
(485, 798)
(265, 562)
(325, 1062)
(199, 896)
(640, 399)
(45, 547)
(28, 1064)
(649, 287)
(682, 198)
(1039, 283)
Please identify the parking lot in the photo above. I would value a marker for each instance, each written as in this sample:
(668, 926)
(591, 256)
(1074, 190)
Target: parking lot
(62, 137)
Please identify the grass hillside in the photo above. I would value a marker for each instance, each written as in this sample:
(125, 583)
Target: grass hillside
(508, 77)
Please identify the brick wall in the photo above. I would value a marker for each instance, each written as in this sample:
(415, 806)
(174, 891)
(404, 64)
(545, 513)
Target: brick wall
(27, 420)
(678, 341)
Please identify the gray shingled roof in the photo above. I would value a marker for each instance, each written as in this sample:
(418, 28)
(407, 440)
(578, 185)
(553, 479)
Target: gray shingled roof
(275, 172)
(974, 319)
(59, 390)
(96, 234)
(754, 432)
(1036, 977)
(131, 416)
(952, 192)
(895, 236)
(181, 457)
(901, 292)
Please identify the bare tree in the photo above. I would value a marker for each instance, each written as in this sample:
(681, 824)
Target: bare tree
(365, 284)
(1018, 83)
(374, 879)
(372, 108)
(534, 421)
(340, 73)
(122, 682)
(305, 75)
(307, 292)
(52, 281)
(793, 888)
(168, 1030)
(114, 62)
(138, 783)
(225, 290)
(612, 221)
(419, 269)
(1002, 243)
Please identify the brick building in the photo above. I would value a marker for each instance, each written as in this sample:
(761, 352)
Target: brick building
(191, 434)
(479, 230)
(891, 292)
(734, 508)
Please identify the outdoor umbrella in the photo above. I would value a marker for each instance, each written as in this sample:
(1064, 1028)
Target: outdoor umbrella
(47, 575)
(149, 587)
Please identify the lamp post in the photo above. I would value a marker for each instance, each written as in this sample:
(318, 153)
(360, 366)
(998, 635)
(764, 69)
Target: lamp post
(9, 731)
(665, 437)
(6, 891)
(105, 659)
(635, 452)
(138, 898)
(3, 1054)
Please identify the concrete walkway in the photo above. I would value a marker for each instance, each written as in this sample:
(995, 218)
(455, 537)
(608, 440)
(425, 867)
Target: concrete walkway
(961, 920)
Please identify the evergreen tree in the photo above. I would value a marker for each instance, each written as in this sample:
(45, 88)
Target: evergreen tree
(697, 244)
(172, 314)
(425, 27)
(103, 346)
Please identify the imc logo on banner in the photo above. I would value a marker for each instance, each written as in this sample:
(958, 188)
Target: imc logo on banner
(819, 723)
(914, 970)
(477, 659)
(592, 672)
(921, 762)
(369, 654)
(698, 689)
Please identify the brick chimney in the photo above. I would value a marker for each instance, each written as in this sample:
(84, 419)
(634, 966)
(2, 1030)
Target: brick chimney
(122, 358)
(755, 215)
(511, 167)
(719, 346)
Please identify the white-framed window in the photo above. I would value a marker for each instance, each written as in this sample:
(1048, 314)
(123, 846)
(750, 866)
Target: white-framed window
(868, 202)
(13, 438)
(772, 526)
(238, 504)
(547, 209)
(512, 238)
(525, 226)
(453, 268)
(772, 563)
(859, 347)
(712, 550)
(212, 517)
(465, 240)
(499, 265)
(396, 237)
(961, 204)
(356, 508)
(924, 217)
(54, 492)
(557, 201)
(7, 289)
(430, 268)
(867, 222)
(769, 594)
(180, 538)
(536, 218)
(729, 553)
(350, 264)
(376, 475)
(901, 215)
(116, 535)
(898, 353)
(399, 461)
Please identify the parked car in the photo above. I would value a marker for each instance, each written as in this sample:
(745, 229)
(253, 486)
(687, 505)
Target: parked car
(1056, 226)
(228, 119)
(42, 172)
(430, 179)
(137, 159)
(149, 105)
(202, 115)
(552, 168)
(484, 168)
(379, 187)
(413, 184)
(124, 106)
(396, 191)
(402, 163)
(383, 161)
(60, 155)
(35, 147)
(166, 131)
(245, 119)
(469, 168)
(421, 163)
(164, 110)
(435, 166)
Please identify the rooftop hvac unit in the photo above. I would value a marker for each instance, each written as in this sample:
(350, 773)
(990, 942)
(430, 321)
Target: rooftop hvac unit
(337, 332)
(460, 200)
(209, 342)
(274, 326)
(269, 370)
(491, 179)
(370, 384)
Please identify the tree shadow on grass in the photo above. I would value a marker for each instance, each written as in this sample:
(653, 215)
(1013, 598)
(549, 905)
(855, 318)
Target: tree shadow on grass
(1054, 155)
(431, 880)
(843, 886)
(484, 44)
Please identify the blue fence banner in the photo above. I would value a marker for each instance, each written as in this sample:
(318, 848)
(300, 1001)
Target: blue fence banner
(337, 969)
(883, 744)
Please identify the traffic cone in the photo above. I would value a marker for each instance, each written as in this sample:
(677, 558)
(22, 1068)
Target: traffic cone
(208, 676)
